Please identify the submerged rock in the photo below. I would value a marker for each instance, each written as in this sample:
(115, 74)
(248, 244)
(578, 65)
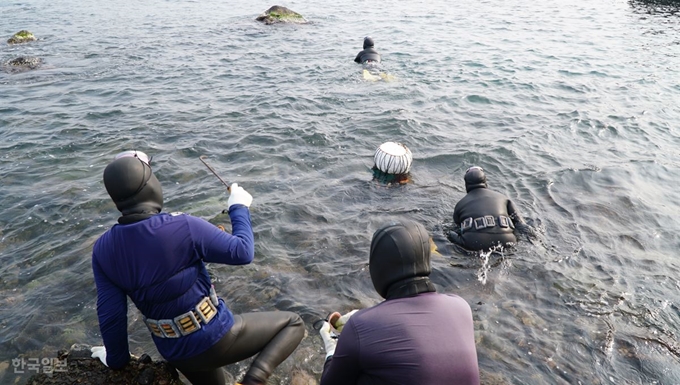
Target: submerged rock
(76, 367)
(278, 14)
(22, 36)
(22, 63)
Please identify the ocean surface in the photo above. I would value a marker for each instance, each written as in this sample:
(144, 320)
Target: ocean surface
(572, 108)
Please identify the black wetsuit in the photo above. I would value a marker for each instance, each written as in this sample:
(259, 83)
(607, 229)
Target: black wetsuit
(484, 234)
(368, 55)
(274, 335)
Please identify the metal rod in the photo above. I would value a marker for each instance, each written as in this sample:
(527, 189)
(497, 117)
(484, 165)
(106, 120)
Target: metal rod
(214, 172)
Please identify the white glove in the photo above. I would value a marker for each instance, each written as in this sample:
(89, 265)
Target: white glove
(99, 352)
(239, 196)
(329, 343)
(340, 323)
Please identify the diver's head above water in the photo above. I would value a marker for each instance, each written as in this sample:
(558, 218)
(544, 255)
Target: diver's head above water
(474, 178)
(368, 42)
(132, 185)
(399, 260)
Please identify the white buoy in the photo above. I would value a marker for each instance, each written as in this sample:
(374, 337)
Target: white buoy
(393, 158)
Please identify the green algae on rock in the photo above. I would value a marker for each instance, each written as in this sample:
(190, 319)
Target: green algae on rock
(22, 36)
(278, 14)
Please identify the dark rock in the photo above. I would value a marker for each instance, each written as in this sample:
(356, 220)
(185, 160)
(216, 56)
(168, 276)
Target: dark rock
(146, 377)
(79, 352)
(145, 359)
(278, 14)
(22, 36)
(23, 63)
(61, 354)
(79, 368)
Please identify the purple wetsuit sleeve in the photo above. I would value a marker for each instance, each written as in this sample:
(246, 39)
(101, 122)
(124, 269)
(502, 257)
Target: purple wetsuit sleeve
(215, 245)
(344, 366)
(112, 313)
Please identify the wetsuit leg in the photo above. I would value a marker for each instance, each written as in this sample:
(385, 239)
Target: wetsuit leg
(274, 335)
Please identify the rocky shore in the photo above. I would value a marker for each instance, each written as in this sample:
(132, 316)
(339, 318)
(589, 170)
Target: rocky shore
(75, 366)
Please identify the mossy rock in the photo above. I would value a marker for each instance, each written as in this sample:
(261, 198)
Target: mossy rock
(278, 14)
(22, 63)
(22, 36)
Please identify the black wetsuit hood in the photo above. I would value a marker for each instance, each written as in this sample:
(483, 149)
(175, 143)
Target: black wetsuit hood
(400, 260)
(133, 188)
(475, 178)
(368, 42)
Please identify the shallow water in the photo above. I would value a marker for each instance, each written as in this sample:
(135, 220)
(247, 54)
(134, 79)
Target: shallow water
(570, 107)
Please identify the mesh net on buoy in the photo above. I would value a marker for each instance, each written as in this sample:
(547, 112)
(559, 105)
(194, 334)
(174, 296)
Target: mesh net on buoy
(393, 158)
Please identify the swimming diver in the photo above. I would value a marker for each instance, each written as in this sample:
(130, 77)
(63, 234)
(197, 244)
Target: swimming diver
(484, 218)
(368, 54)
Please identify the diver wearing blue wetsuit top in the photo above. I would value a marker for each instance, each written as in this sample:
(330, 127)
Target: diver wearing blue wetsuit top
(369, 54)
(415, 336)
(158, 260)
(484, 218)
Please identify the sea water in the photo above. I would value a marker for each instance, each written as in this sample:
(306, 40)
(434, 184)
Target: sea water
(570, 107)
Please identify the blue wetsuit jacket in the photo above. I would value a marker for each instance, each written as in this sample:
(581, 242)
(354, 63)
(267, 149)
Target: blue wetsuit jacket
(159, 263)
(424, 339)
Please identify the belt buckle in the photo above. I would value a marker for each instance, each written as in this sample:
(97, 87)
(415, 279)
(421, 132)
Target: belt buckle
(466, 225)
(187, 323)
(490, 221)
(503, 221)
(480, 223)
(168, 328)
(154, 327)
(206, 310)
(213, 296)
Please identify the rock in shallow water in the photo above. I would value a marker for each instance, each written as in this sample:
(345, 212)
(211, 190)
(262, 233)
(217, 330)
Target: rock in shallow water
(22, 63)
(22, 36)
(278, 14)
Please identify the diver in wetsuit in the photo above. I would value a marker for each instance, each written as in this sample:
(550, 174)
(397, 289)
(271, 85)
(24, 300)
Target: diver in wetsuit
(158, 261)
(415, 336)
(484, 218)
(369, 54)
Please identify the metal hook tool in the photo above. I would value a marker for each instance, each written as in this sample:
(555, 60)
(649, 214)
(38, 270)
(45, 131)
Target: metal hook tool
(201, 158)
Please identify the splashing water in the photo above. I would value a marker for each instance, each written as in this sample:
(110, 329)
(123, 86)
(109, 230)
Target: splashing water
(483, 272)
